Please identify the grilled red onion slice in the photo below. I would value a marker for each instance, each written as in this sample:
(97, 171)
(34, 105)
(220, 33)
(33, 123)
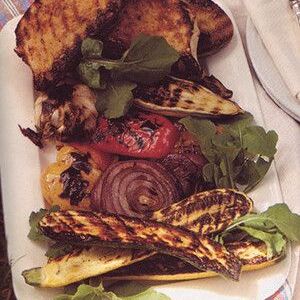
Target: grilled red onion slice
(135, 188)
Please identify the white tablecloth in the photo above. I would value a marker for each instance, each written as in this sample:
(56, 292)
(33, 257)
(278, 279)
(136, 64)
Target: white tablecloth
(288, 156)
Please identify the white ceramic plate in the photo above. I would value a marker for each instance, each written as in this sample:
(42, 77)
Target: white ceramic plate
(21, 163)
(268, 74)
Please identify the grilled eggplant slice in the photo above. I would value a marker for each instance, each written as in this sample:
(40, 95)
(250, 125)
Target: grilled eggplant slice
(49, 34)
(216, 86)
(253, 255)
(206, 212)
(88, 228)
(81, 264)
(180, 98)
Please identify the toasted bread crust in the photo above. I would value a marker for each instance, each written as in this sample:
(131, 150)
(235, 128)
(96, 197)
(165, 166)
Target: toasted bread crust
(165, 18)
(216, 28)
(49, 35)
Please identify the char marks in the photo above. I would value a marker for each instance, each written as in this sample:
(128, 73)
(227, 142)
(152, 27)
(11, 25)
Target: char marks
(50, 33)
(120, 231)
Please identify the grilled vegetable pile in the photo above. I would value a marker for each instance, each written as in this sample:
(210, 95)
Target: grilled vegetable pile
(154, 155)
(210, 233)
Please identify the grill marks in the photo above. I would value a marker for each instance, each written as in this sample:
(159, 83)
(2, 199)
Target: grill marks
(207, 212)
(178, 97)
(165, 267)
(50, 33)
(174, 20)
(168, 18)
(119, 231)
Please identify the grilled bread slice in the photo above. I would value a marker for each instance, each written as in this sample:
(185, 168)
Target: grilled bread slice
(167, 18)
(49, 34)
(86, 228)
(180, 98)
(216, 28)
(174, 20)
(253, 255)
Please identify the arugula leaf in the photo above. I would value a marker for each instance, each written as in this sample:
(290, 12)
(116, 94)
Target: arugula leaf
(34, 219)
(88, 292)
(149, 59)
(259, 142)
(238, 153)
(91, 48)
(90, 75)
(251, 173)
(270, 226)
(114, 101)
(204, 131)
(287, 222)
(275, 242)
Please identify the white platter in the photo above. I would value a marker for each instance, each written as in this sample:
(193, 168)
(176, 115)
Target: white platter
(268, 74)
(21, 163)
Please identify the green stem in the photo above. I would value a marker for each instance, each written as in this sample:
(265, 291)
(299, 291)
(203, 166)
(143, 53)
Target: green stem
(228, 170)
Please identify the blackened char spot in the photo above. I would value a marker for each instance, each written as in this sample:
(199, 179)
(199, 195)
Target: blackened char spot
(81, 162)
(74, 186)
(61, 93)
(34, 137)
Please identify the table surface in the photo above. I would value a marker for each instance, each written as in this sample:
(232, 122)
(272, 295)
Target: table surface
(12, 8)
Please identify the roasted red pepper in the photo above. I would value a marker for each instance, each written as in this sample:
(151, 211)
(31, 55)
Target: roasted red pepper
(142, 135)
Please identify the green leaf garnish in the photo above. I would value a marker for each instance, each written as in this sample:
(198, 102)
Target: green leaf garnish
(91, 48)
(149, 59)
(90, 75)
(288, 223)
(34, 219)
(275, 242)
(239, 154)
(271, 226)
(128, 291)
(115, 100)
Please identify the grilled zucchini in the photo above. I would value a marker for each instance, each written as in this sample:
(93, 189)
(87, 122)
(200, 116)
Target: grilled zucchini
(224, 205)
(180, 98)
(206, 212)
(81, 264)
(253, 255)
(88, 228)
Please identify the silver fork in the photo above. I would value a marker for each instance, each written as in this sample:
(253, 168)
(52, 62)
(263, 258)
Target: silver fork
(295, 5)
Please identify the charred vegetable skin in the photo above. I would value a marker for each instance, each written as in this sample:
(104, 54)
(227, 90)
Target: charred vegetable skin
(81, 264)
(206, 212)
(119, 231)
(143, 135)
(69, 181)
(49, 277)
(252, 254)
(179, 98)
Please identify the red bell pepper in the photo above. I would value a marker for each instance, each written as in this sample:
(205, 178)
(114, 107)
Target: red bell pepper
(142, 135)
(102, 159)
